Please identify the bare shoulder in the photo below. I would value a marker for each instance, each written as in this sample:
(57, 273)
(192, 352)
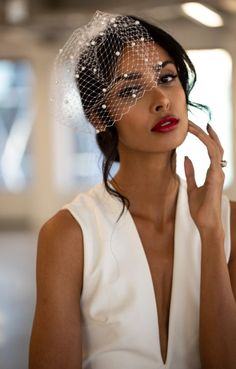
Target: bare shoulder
(61, 227)
(60, 246)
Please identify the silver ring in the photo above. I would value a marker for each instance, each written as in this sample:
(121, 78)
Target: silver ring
(223, 163)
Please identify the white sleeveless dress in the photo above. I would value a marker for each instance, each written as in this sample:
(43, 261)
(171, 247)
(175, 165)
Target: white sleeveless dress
(118, 307)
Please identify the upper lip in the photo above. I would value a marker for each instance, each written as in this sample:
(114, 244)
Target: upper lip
(168, 118)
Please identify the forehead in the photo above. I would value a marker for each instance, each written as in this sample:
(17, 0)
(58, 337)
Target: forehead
(140, 56)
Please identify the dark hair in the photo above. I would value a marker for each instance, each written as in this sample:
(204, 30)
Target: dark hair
(108, 140)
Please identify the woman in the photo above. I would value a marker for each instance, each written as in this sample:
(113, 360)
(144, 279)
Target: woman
(140, 272)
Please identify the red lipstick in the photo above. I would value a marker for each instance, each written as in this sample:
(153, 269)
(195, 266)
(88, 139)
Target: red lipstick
(166, 124)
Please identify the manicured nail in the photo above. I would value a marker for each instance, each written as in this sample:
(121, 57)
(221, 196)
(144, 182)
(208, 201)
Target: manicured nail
(208, 126)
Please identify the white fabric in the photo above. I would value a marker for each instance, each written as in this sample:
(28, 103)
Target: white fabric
(119, 314)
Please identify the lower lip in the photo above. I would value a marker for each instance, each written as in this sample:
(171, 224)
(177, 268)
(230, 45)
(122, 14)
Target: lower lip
(167, 128)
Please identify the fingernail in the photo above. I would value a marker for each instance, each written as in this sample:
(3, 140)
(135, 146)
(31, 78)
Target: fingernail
(186, 157)
(208, 126)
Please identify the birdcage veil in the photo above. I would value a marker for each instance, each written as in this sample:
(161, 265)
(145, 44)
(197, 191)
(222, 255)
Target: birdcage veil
(92, 82)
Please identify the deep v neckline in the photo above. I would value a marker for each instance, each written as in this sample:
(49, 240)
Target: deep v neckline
(118, 303)
(131, 224)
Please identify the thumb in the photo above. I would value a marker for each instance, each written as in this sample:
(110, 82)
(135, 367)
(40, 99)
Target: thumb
(190, 175)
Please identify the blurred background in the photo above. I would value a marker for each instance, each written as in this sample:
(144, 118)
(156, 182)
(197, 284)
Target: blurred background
(43, 164)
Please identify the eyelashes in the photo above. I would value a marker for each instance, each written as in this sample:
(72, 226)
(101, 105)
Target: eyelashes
(137, 90)
(167, 78)
(130, 91)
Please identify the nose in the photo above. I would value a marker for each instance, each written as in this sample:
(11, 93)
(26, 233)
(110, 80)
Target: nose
(160, 100)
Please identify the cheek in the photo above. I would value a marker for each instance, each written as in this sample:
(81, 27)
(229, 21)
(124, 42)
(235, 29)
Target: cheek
(130, 128)
(125, 129)
(182, 95)
(131, 121)
(179, 99)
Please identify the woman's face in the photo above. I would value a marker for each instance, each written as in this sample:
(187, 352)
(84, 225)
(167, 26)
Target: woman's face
(158, 121)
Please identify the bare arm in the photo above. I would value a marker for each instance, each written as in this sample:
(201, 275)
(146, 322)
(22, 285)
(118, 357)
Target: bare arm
(217, 337)
(55, 341)
(218, 306)
(232, 261)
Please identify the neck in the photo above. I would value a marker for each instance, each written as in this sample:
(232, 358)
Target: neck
(150, 183)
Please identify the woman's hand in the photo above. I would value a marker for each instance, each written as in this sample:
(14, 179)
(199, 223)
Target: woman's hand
(205, 201)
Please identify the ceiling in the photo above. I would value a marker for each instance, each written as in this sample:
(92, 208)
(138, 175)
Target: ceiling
(35, 9)
(64, 15)
(78, 5)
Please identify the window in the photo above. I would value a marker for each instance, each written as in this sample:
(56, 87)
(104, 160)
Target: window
(213, 88)
(15, 124)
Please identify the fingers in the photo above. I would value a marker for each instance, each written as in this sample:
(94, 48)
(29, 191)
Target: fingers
(189, 172)
(215, 137)
(211, 141)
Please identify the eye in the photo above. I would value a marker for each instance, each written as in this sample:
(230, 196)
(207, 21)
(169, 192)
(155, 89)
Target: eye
(167, 78)
(130, 91)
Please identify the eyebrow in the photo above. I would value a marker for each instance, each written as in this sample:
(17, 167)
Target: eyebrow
(166, 62)
(128, 76)
(137, 75)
